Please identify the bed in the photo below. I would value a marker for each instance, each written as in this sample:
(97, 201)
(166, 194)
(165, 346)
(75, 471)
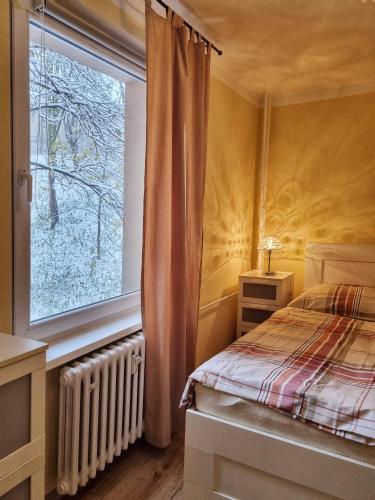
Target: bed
(246, 440)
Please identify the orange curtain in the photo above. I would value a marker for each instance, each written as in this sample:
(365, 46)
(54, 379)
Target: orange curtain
(177, 108)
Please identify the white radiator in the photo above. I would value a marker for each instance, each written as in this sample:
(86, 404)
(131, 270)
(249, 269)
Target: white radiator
(101, 407)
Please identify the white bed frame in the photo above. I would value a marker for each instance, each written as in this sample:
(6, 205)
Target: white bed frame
(228, 460)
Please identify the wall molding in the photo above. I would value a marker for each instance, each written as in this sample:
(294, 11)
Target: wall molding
(235, 85)
(290, 99)
(215, 304)
(321, 95)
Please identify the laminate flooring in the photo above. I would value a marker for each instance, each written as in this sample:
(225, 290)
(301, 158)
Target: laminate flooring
(143, 472)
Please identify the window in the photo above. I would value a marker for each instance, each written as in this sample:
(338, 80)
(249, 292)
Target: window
(86, 134)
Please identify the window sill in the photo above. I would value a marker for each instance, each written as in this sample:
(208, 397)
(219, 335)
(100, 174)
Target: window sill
(82, 342)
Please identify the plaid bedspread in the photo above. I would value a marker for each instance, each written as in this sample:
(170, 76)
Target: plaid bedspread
(317, 367)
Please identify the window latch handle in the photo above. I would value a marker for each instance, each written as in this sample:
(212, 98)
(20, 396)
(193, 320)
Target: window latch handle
(22, 176)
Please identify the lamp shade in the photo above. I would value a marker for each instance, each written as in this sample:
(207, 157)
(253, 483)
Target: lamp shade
(270, 243)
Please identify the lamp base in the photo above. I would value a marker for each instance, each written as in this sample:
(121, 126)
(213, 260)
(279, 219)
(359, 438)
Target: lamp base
(269, 273)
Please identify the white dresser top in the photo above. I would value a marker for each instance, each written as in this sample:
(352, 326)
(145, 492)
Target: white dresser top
(259, 273)
(14, 349)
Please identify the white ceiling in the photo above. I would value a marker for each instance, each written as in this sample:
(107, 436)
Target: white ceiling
(293, 49)
(290, 47)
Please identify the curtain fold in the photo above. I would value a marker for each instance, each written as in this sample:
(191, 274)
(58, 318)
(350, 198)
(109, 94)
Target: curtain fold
(177, 108)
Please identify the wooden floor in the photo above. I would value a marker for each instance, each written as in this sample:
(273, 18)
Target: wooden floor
(142, 472)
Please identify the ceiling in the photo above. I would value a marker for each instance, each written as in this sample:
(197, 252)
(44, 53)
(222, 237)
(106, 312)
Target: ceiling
(289, 47)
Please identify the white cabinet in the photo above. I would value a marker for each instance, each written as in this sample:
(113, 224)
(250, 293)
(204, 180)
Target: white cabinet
(22, 418)
(260, 296)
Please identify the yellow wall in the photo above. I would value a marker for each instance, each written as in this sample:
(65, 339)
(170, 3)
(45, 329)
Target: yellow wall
(228, 212)
(5, 173)
(321, 176)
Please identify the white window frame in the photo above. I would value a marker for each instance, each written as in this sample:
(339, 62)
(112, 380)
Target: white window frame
(70, 321)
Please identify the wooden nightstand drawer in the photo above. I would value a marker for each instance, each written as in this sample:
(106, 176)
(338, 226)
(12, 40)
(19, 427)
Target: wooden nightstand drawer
(250, 316)
(273, 290)
(263, 291)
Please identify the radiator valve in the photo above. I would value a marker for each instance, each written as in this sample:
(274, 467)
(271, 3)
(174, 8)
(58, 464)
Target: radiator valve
(136, 361)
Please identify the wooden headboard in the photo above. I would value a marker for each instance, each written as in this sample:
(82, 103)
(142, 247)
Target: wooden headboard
(339, 263)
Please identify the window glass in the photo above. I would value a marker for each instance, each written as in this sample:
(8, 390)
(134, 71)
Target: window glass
(87, 139)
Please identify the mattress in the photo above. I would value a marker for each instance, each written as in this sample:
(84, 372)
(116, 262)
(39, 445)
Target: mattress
(259, 416)
(314, 367)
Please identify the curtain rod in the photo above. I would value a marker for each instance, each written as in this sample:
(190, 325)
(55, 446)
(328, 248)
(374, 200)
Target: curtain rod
(160, 2)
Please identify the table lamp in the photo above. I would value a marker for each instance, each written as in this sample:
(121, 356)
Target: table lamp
(269, 243)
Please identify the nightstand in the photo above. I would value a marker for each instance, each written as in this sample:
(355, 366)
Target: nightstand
(260, 296)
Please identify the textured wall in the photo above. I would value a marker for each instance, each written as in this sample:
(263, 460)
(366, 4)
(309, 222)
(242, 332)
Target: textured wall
(321, 176)
(228, 211)
(5, 173)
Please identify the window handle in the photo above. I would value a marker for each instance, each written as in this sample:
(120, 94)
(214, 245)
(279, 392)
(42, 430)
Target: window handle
(22, 176)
